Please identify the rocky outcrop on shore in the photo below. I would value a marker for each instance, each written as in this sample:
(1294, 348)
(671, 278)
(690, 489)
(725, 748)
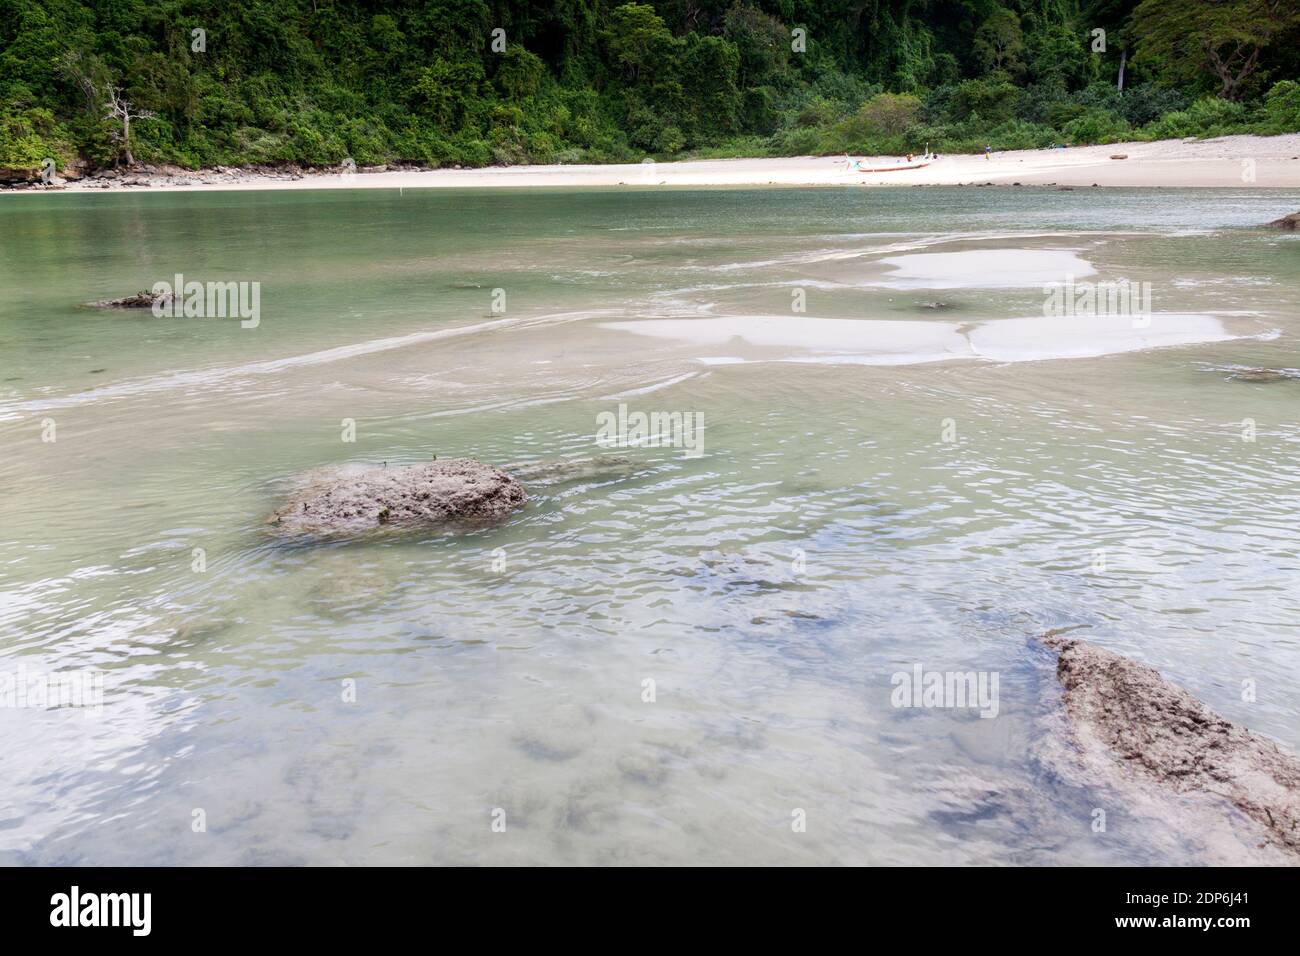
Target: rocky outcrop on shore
(37, 177)
(1291, 222)
(146, 175)
(443, 493)
(19, 175)
(153, 176)
(1131, 724)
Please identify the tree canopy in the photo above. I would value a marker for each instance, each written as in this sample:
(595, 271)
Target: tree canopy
(473, 82)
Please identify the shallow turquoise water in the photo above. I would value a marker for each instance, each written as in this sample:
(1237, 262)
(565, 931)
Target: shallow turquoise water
(827, 537)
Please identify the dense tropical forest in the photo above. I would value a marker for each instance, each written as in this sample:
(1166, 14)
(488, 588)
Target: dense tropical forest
(474, 82)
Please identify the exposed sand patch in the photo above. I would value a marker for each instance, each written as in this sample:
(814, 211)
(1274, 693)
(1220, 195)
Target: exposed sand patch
(1028, 340)
(983, 269)
(892, 342)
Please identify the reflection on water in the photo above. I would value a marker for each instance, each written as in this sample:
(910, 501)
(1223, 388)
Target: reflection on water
(659, 663)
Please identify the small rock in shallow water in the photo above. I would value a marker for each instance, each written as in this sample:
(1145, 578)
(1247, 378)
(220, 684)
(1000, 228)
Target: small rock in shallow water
(1291, 222)
(1260, 375)
(449, 492)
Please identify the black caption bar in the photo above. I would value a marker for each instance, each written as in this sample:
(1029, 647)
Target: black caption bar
(333, 906)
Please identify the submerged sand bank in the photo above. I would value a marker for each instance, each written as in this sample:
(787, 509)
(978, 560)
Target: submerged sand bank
(1240, 161)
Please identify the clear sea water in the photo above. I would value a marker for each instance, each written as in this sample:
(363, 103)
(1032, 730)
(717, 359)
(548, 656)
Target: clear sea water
(388, 700)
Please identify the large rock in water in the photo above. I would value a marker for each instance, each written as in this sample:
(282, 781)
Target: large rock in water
(449, 492)
(1291, 222)
(1125, 711)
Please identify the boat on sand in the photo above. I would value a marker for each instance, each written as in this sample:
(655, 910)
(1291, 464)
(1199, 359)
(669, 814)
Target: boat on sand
(857, 167)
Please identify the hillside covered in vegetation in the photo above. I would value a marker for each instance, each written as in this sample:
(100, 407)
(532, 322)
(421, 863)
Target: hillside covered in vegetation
(472, 82)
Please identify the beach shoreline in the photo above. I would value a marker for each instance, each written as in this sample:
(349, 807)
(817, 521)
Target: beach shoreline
(1247, 161)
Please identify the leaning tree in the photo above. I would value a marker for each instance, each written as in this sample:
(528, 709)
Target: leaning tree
(1186, 38)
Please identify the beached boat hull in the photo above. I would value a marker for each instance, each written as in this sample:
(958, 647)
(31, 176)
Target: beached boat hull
(890, 169)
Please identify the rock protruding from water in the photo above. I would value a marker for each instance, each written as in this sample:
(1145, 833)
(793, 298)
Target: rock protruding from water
(1291, 222)
(1159, 731)
(444, 493)
(1261, 375)
(141, 300)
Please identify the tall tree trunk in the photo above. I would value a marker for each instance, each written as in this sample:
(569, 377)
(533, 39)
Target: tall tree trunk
(1123, 59)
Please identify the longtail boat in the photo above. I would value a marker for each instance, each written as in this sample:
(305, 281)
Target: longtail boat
(888, 169)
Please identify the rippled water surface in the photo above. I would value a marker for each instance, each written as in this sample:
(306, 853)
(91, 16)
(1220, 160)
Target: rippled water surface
(855, 511)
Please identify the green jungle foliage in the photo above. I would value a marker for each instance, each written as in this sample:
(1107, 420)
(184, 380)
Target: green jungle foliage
(473, 82)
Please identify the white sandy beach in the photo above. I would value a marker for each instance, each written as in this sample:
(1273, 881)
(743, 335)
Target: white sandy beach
(1242, 161)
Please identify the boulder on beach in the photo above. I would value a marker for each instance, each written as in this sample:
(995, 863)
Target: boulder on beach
(443, 493)
(1129, 721)
(1291, 222)
(141, 300)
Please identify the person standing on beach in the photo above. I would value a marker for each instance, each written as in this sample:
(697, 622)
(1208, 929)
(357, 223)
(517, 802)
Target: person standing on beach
(988, 153)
